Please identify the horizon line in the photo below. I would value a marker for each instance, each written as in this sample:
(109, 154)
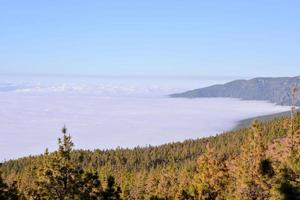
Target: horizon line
(123, 75)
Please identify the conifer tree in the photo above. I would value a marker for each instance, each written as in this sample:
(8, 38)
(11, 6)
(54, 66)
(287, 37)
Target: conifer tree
(184, 195)
(90, 186)
(59, 178)
(8, 192)
(290, 172)
(254, 170)
(111, 192)
(212, 176)
(294, 131)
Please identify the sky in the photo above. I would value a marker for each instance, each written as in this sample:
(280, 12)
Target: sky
(160, 38)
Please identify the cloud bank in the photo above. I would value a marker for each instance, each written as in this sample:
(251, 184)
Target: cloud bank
(31, 117)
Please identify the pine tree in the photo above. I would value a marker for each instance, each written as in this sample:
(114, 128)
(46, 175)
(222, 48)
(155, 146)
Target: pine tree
(90, 186)
(111, 192)
(290, 179)
(212, 176)
(59, 178)
(294, 130)
(290, 171)
(253, 168)
(8, 192)
(184, 195)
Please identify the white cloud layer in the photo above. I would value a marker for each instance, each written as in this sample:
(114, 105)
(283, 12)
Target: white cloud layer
(111, 115)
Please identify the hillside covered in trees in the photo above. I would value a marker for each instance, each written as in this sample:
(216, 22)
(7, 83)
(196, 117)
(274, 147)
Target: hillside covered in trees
(260, 162)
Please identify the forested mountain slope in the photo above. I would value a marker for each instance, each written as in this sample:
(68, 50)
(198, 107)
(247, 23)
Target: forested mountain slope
(261, 162)
(264, 118)
(275, 90)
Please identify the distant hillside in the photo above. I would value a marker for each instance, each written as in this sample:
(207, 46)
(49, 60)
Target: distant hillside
(246, 123)
(275, 90)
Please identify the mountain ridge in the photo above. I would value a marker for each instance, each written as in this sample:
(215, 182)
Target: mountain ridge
(275, 90)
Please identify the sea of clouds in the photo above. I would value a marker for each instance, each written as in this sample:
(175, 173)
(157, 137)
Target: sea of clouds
(110, 112)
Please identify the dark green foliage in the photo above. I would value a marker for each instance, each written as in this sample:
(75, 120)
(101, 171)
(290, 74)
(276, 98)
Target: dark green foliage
(154, 198)
(111, 192)
(184, 195)
(289, 191)
(266, 168)
(90, 186)
(8, 192)
(289, 185)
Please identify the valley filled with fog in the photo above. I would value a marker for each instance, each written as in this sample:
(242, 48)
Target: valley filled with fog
(110, 112)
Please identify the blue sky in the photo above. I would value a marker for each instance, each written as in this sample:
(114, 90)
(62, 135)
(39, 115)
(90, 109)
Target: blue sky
(157, 37)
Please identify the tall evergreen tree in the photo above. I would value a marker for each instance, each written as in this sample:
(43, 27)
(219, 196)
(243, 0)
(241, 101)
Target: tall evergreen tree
(290, 172)
(111, 192)
(184, 195)
(253, 168)
(294, 130)
(8, 192)
(212, 176)
(61, 179)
